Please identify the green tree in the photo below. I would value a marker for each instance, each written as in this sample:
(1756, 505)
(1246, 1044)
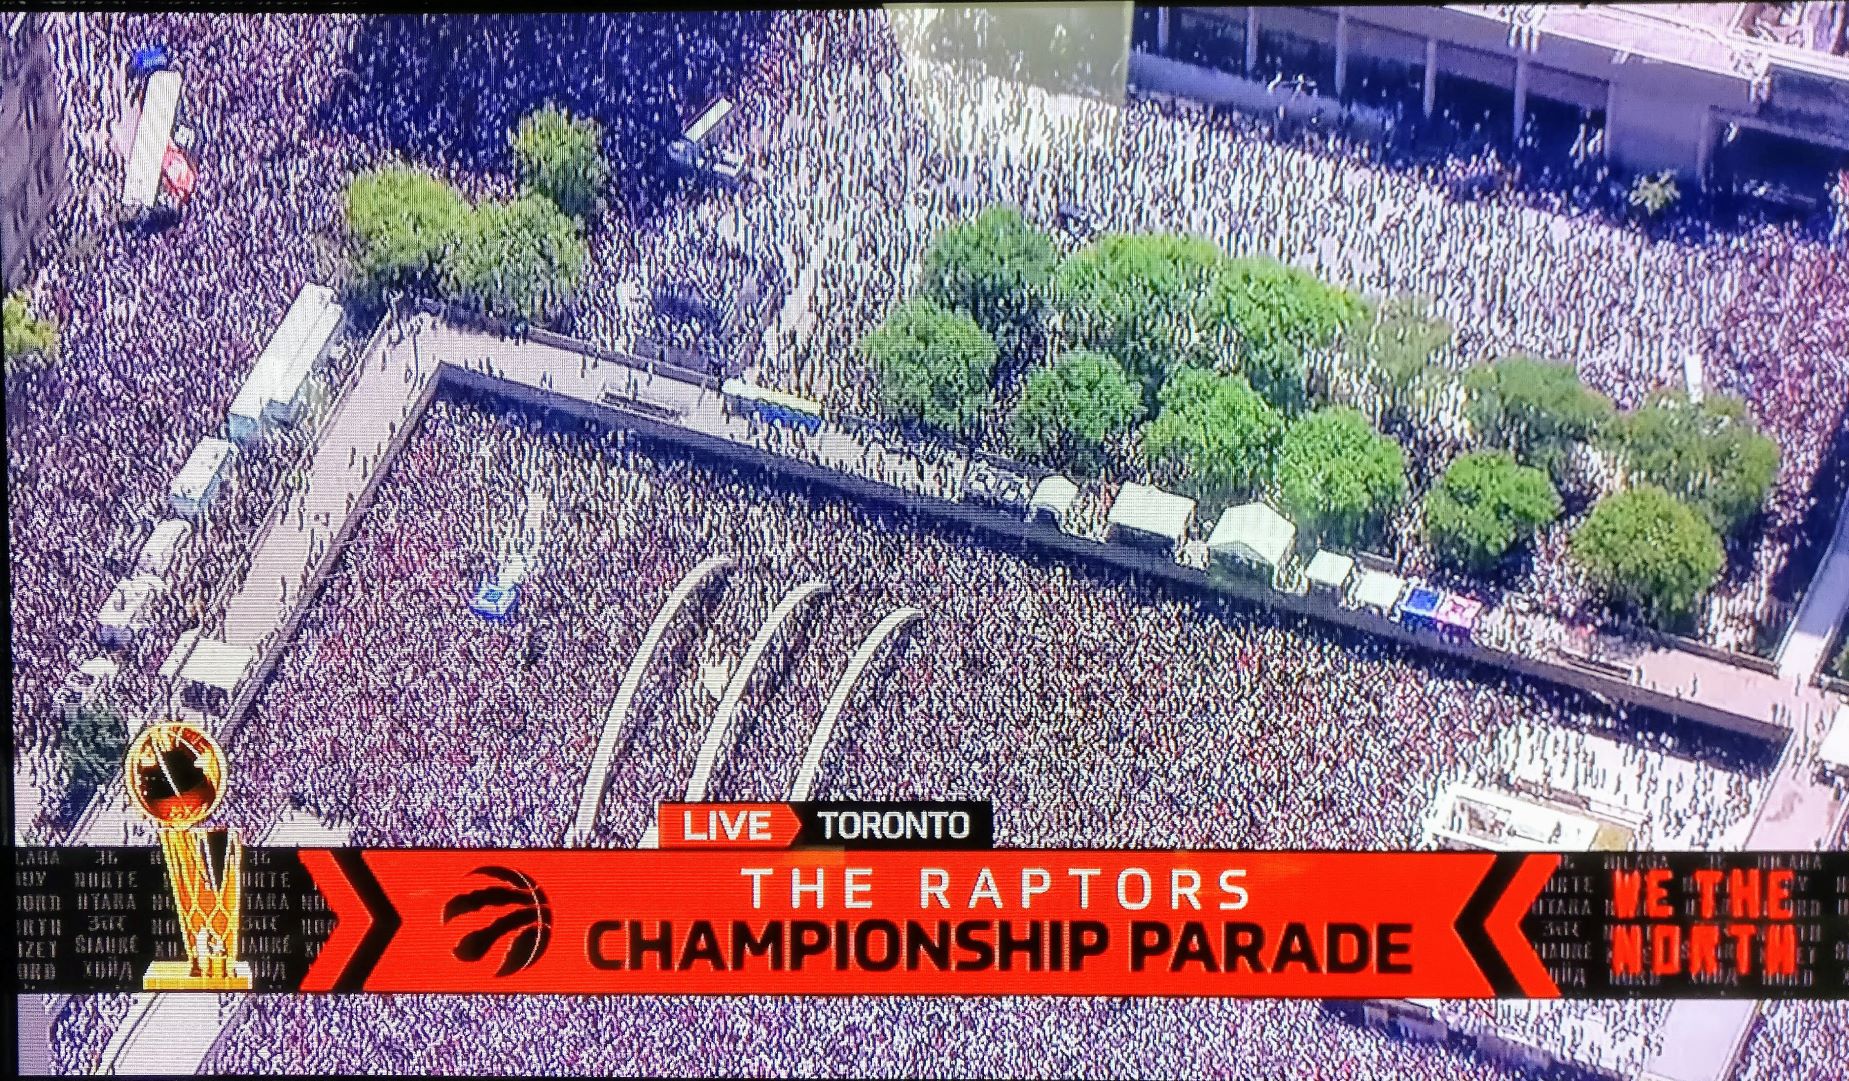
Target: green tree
(1534, 407)
(1270, 317)
(1399, 352)
(1841, 667)
(520, 259)
(94, 746)
(995, 266)
(1486, 504)
(1709, 454)
(1336, 476)
(933, 365)
(1650, 552)
(1655, 194)
(400, 224)
(1215, 435)
(1071, 407)
(562, 158)
(1133, 297)
(31, 341)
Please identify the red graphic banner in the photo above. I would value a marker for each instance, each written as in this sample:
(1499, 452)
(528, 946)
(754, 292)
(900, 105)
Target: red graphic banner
(1027, 922)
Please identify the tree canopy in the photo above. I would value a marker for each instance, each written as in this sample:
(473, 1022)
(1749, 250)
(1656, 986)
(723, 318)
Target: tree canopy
(1651, 552)
(561, 157)
(1215, 435)
(1069, 409)
(996, 267)
(1709, 454)
(934, 365)
(1534, 407)
(95, 741)
(1270, 316)
(1398, 351)
(31, 341)
(1484, 505)
(1336, 476)
(521, 259)
(400, 224)
(1133, 296)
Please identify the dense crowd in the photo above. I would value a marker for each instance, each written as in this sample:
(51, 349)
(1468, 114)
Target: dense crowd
(1092, 707)
(1107, 710)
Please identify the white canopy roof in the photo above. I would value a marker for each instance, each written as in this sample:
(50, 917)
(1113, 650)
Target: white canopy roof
(1253, 532)
(211, 662)
(1056, 494)
(1330, 569)
(1834, 751)
(1378, 589)
(201, 467)
(128, 599)
(1152, 511)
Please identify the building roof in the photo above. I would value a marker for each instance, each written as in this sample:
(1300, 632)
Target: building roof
(1153, 511)
(1253, 532)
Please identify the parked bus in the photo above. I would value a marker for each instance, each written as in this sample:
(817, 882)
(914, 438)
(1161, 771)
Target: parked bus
(153, 156)
(772, 406)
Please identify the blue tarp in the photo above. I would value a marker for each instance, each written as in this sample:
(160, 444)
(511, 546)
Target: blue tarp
(494, 602)
(1421, 607)
(150, 59)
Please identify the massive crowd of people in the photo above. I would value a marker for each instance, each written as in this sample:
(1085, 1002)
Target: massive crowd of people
(1094, 709)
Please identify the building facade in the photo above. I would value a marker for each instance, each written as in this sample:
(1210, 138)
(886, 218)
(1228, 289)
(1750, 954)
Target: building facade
(1718, 93)
(34, 166)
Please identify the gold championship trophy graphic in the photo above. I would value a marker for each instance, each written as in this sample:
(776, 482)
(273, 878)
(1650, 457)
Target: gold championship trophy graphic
(176, 775)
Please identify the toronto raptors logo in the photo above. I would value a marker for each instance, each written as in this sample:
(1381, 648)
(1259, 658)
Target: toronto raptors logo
(522, 920)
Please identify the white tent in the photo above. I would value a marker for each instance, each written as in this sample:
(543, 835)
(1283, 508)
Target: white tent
(1833, 752)
(197, 482)
(1144, 515)
(1253, 533)
(1379, 590)
(207, 662)
(163, 545)
(125, 613)
(274, 387)
(1053, 499)
(1330, 570)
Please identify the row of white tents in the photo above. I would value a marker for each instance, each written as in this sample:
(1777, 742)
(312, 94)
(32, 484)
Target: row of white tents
(271, 396)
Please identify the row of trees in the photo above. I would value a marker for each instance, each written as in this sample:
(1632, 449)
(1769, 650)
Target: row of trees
(520, 258)
(1161, 354)
(31, 341)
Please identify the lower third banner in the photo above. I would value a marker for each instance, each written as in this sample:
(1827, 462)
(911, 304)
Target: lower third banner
(996, 922)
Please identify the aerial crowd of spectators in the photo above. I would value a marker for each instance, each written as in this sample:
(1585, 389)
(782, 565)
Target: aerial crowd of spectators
(1093, 708)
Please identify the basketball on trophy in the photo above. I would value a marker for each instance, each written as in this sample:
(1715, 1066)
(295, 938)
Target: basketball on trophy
(176, 774)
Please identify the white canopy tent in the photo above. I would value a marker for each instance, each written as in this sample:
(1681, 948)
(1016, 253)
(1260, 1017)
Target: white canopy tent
(164, 543)
(274, 387)
(1144, 515)
(1253, 533)
(1379, 590)
(197, 483)
(1330, 570)
(125, 613)
(1053, 499)
(1833, 752)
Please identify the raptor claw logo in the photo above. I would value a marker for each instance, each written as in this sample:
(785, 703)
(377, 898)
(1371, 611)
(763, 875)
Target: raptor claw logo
(525, 925)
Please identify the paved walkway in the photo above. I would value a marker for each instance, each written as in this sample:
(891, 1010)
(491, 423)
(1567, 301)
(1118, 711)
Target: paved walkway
(1825, 603)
